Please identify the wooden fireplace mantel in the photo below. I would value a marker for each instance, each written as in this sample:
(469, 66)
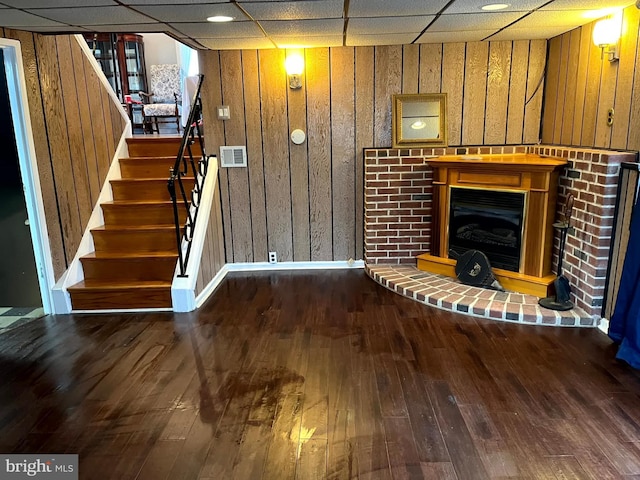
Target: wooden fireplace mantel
(535, 175)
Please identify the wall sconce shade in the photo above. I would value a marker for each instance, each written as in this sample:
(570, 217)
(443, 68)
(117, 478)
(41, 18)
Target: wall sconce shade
(606, 33)
(294, 65)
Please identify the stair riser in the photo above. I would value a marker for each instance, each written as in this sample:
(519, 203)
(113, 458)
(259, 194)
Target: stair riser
(128, 269)
(94, 299)
(141, 214)
(154, 147)
(152, 190)
(143, 242)
(146, 167)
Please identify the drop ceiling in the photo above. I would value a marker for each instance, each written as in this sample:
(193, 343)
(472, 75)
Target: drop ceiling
(308, 23)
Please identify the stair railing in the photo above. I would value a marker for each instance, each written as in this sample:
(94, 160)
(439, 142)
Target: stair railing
(190, 203)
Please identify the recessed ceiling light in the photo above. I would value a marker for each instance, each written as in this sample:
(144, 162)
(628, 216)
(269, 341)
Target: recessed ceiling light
(418, 125)
(220, 19)
(495, 6)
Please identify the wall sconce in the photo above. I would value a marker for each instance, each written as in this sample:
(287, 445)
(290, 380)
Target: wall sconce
(606, 34)
(294, 65)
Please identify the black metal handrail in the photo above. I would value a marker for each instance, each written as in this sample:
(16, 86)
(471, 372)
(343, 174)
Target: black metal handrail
(184, 160)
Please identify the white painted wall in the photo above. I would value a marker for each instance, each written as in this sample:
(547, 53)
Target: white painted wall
(159, 49)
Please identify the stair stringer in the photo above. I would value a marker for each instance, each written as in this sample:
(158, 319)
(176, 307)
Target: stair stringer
(183, 289)
(75, 274)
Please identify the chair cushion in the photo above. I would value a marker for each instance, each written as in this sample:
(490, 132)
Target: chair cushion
(160, 110)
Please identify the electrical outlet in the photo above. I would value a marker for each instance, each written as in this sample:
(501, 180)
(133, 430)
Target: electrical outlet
(273, 257)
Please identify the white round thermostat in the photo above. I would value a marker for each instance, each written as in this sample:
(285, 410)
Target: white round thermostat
(298, 136)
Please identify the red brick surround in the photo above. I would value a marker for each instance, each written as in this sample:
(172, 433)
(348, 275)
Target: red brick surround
(398, 193)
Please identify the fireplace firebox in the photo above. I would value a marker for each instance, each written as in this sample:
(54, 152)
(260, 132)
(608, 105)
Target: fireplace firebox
(491, 221)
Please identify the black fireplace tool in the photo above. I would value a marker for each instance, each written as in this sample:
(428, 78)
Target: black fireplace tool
(562, 298)
(473, 268)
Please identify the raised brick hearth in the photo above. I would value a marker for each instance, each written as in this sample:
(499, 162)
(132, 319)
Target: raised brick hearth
(398, 191)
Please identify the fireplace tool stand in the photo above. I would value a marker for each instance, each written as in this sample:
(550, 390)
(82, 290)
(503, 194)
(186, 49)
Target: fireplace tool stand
(562, 298)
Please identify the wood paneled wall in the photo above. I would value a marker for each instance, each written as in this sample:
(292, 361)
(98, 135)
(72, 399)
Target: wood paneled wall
(305, 202)
(76, 129)
(581, 87)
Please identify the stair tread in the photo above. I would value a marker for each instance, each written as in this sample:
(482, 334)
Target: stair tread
(130, 255)
(119, 285)
(124, 203)
(148, 180)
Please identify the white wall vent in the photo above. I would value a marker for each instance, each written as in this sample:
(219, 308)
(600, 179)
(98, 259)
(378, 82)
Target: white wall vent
(233, 156)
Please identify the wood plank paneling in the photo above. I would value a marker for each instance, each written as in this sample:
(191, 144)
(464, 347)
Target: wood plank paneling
(58, 137)
(453, 55)
(553, 95)
(254, 154)
(320, 161)
(625, 83)
(234, 134)
(388, 81)
(343, 152)
(498, 75)
(306, 201)
(90, 161)
(475, 93)
(74, 129)
(273, 85)
(562, 88)
(533, 105)
(410, 68)
(430, 68)
(299, 165)
(214, 133)
(364, 71)
(570, 91)
(517, 91)
(593, 86)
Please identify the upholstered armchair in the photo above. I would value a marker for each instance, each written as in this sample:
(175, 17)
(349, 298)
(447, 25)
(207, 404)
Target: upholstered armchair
(163, 102)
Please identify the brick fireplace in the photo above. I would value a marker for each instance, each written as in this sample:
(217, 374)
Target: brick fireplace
(398, 216)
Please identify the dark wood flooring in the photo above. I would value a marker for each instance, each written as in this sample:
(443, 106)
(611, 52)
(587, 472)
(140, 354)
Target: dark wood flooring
(318, 375)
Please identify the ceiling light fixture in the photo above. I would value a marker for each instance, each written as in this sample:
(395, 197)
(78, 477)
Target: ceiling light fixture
(220, 19)
(495, 6)
(418, 125)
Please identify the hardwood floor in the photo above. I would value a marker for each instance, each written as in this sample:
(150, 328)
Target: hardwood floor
(318, 375)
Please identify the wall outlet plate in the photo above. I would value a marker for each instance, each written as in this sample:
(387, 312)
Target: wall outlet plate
(273, 257)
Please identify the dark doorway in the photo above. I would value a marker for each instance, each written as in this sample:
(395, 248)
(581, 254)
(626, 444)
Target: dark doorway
(18, 275)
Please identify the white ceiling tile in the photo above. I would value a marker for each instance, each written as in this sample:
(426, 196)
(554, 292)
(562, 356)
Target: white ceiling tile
(535, 33)
(587, 5)
(547, 18)
(132, 27)
(294, 10)
(303, 28)
(386, 8)
(58, 3)
(359, 40)
(194, 13)
(170, 2)
(379, 25)
(219, 30)
(94, 15)
(17, 18)
(473, 6)
(454, 37)
(473, 21)
(235, 43)
(309, 42)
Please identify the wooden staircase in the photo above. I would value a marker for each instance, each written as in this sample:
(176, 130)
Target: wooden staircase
(135, 250)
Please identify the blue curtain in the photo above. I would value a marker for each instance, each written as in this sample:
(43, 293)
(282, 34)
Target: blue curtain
(624, 327)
